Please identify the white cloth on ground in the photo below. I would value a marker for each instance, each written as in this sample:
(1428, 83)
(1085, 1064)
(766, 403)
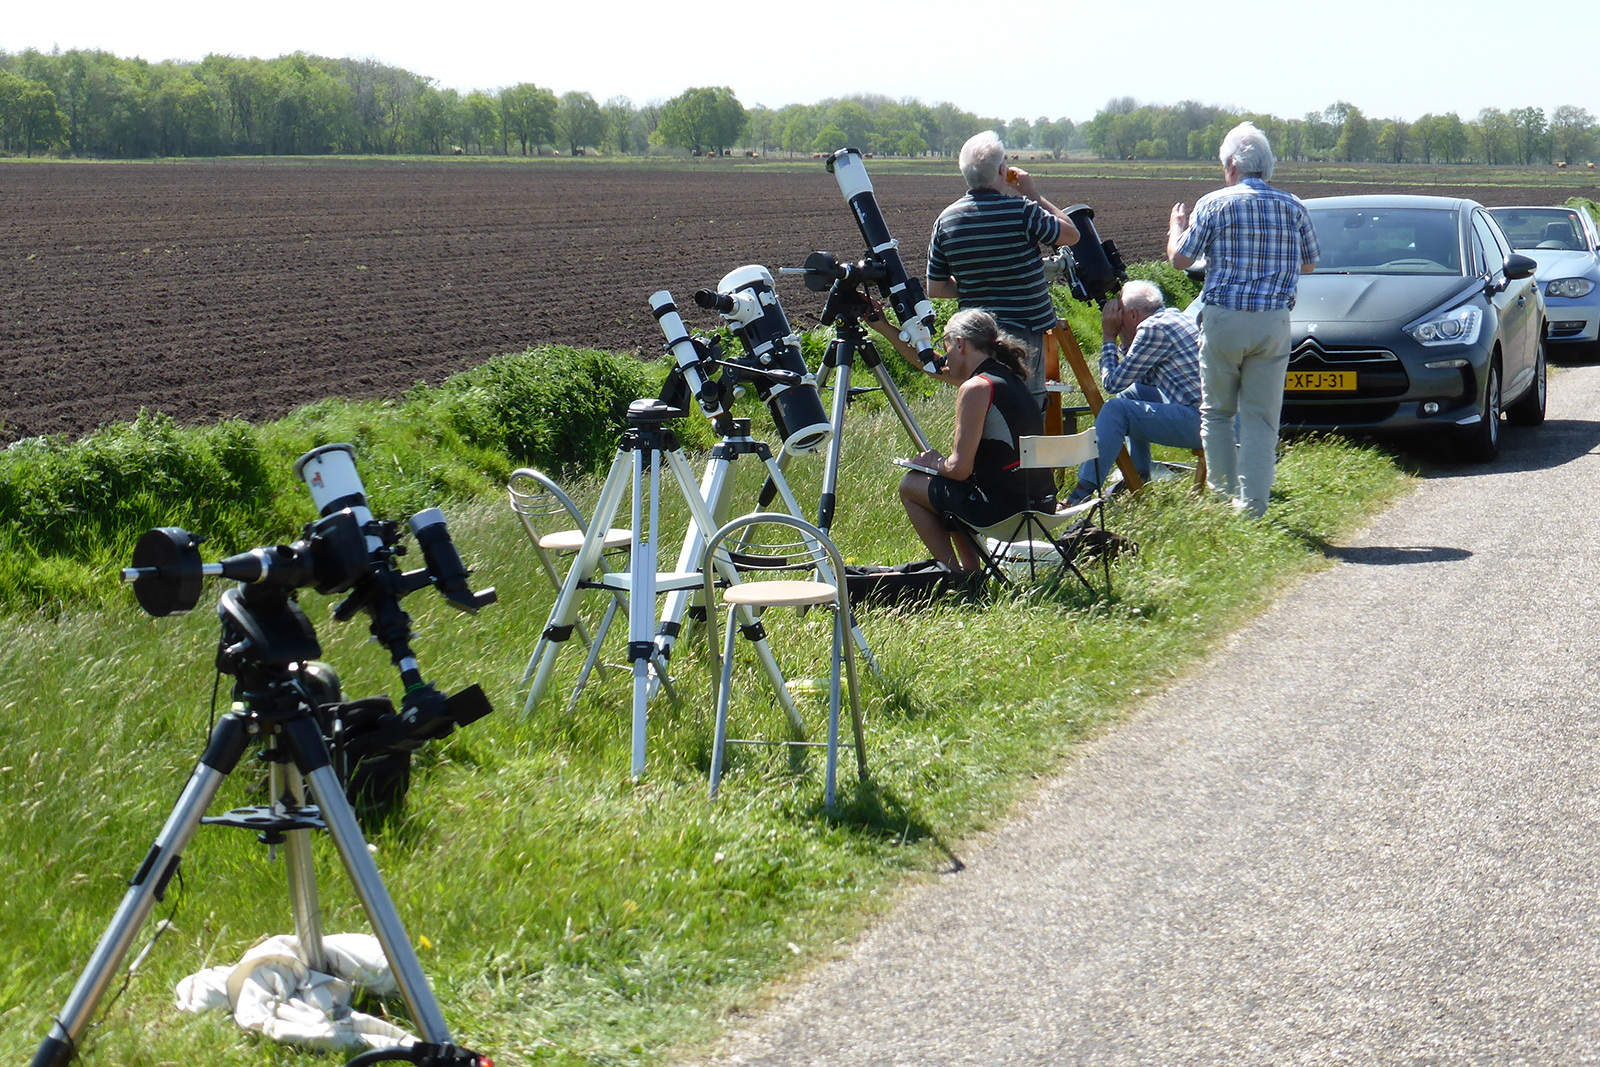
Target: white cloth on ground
(272, 992)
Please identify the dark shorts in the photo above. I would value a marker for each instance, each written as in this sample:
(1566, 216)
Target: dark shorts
(970, 504)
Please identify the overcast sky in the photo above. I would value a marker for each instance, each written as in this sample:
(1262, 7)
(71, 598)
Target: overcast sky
(1027, 58)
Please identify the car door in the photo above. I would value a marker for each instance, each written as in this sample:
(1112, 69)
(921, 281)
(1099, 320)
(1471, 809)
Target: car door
(1516, 305)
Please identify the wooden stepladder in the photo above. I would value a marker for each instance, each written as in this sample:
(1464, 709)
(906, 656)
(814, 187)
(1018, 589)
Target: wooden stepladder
(1059, 345)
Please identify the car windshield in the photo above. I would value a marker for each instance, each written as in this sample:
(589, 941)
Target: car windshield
(1372, 240)
(1541, 227)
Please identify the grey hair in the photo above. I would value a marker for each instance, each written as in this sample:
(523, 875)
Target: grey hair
(1249, 151)
(982, 159)
(980, 330)
(1143, 297)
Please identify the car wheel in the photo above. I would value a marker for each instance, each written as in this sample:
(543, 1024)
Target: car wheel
(1480, 442)
(1529, 408)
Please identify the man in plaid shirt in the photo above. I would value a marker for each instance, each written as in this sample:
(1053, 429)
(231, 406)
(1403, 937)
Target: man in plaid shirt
(1153, 387)
(1256, 241)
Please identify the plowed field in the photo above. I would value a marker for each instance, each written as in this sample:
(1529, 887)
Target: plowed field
(245, 288)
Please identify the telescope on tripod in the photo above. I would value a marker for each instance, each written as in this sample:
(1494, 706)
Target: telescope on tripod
(268, 645)
(1092, 269)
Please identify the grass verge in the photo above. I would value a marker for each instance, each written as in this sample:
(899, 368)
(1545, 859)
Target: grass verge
(564, 913)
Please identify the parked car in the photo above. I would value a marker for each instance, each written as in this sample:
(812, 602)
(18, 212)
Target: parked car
(1419, 318)
(1563, 241)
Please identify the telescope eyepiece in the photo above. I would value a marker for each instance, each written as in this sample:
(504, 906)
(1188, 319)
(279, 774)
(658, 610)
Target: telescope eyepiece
(712, 300)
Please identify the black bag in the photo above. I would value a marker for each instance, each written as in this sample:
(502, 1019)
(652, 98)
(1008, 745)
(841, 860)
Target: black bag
(908, 583)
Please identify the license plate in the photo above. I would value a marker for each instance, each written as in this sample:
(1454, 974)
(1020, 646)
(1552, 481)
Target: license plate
(1316, 381)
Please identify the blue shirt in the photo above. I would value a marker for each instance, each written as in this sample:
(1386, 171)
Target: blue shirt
(1254, 239)
(989, 243)
(1164, 352)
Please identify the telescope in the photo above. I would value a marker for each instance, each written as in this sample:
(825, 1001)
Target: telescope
(901, 291)
(773, 362)
(1091, 269)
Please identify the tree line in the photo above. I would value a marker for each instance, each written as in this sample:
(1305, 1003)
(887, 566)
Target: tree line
(91, 103)
(1125, 129)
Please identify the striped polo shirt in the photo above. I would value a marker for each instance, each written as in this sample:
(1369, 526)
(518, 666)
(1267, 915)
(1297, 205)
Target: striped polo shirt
(989, 243)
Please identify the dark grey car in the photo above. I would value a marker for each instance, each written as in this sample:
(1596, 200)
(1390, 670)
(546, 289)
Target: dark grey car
(1419, 317)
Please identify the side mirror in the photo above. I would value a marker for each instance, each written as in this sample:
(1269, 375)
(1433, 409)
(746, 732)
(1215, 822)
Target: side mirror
(1519, 266)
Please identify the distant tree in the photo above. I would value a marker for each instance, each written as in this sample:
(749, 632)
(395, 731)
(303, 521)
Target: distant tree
(1495, 136)
(580, 121)
(762, 128)
(830, 139)
(1528, 126)
(855, 122)
(911, 144)
(1572, 133)
(529, 115)
(1018, 133)
(1052, 137)
(29, 117)
(798, 132)
(1451, 137)
(701, 119)
(480, 120)
(620, 122)
(1393, 140)
(1355, 136)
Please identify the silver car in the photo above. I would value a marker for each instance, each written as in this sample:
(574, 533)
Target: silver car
(1564, 242)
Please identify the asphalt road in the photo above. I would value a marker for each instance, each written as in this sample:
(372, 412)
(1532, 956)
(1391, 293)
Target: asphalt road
(1364, 832)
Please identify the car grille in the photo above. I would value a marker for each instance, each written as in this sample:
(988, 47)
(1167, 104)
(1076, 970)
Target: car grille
(1337, 414)
(1567, 327)
(1379, 372)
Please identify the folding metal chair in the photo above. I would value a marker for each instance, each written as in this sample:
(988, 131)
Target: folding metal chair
(766, 544)
(1061, 534)
(546, 512)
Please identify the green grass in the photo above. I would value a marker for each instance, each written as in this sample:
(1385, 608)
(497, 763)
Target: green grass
(569, 914)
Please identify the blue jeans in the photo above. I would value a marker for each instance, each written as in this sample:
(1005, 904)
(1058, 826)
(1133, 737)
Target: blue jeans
(1139, 415)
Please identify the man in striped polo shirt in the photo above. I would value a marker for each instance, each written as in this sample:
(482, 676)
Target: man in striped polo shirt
(985, 249)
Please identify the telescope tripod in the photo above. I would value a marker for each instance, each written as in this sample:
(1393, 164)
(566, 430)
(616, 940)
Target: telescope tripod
(716, 488)
(646, 445)
(274, 711)
(850, 342)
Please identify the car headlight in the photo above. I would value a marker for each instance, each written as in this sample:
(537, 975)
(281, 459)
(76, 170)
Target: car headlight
(1571, 288)
(1456, 327)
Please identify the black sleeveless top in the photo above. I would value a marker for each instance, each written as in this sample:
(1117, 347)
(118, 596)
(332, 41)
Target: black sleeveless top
(1013, 413)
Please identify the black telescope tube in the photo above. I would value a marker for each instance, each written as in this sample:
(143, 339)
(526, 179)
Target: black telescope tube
(904, 293)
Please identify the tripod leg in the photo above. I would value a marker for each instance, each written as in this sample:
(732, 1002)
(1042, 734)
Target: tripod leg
(311, 756)
(714, 488)
(642, 599)
(565, 611)
(148, 886)
(302, 877)
(896, 401)
(845, 358)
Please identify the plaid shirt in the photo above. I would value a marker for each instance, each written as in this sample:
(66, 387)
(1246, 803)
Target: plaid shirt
(1254, 239)
(1165, 353)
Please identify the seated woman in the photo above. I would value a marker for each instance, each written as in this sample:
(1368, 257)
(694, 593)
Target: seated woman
(981, 480)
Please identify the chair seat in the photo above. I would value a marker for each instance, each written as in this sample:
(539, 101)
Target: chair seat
(1010, 528)
(782, 593)
(572, 540)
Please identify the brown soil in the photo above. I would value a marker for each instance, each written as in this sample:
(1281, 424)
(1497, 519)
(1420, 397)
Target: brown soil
(246, 288)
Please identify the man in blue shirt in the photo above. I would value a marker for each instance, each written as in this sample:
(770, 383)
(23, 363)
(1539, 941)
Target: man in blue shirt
(1256, 241)
(1152, 382)
(985, 249)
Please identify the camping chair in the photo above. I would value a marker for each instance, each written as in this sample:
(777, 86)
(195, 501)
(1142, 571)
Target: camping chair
(546, 512)
(770, 544)
(1061, 534)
